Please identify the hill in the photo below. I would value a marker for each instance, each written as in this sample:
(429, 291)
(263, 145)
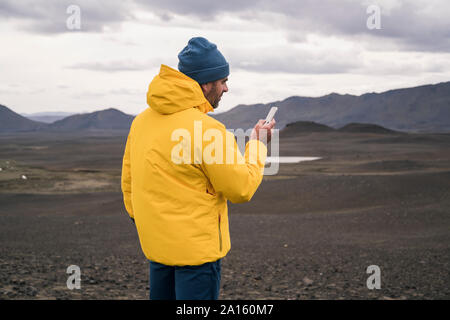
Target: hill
(11, 121)
(47, 117)
(109, 119)
(365, 128)
(419, 109)
(298, 127)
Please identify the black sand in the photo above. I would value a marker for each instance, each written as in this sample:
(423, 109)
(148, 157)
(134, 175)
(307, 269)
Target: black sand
(309, 232)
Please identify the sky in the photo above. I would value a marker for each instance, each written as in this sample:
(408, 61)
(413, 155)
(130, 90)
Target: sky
(84, 56)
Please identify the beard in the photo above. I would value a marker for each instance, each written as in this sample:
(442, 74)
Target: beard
(213, 97)
(216, 103)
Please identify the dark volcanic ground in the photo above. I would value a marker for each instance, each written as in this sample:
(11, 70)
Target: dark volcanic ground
(310, 232)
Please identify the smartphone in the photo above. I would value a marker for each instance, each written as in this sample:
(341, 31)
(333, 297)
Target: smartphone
(270, 115)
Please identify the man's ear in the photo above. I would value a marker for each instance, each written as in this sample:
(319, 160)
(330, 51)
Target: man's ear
(205, 87)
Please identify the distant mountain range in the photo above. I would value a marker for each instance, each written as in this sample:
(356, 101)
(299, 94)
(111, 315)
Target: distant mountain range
(300, 127)
(109, 119)
(12, 122)
(419, 109)
(47, 117)
(424, 108)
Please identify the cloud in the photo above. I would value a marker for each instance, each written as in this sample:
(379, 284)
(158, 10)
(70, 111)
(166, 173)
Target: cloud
(127, 92)
(289, 59)
(200, 8)
(49, 17)
(403, 63)
(115, 66)
(88, 95)
(421, 25)
(416, 25)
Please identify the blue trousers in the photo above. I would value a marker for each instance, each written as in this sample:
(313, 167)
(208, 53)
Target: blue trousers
(185, 283)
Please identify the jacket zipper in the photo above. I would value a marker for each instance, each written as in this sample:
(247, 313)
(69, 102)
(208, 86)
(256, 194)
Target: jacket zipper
(220, 236)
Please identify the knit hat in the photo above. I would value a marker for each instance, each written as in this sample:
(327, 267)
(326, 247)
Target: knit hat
(201, 61)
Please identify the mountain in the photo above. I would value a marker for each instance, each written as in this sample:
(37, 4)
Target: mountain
(14, 122)
(47, 117)
(418, 109)
(365, 128)
(109, 119)
(424, 108)
(295, 128)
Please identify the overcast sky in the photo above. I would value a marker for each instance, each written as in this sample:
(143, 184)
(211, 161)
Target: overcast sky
(276, 49)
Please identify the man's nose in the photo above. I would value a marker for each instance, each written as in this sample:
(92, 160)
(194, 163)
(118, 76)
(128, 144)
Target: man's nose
(225, 88)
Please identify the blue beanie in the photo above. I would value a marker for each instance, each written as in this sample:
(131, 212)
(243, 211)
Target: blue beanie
(201, 61)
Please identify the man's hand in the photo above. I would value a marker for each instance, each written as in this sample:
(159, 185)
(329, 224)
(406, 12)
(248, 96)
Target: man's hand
(263, 132)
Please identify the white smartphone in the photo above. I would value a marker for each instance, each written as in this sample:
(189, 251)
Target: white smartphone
(270, 115)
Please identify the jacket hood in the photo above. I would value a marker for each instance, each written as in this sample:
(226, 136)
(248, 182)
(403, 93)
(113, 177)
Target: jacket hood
(172, 91)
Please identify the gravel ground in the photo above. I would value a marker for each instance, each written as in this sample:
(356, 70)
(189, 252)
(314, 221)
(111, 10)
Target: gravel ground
(310, 232)
(273, 256)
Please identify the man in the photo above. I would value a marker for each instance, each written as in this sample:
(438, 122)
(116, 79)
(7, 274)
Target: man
(179, 203)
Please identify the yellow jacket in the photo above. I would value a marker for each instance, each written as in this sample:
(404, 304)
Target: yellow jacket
(180, 209)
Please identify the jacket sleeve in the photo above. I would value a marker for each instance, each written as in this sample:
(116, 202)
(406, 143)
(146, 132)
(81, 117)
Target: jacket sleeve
(239, 178)
(126, 178)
